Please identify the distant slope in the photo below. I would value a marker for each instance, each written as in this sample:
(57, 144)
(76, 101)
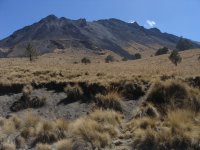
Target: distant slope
(60, 33)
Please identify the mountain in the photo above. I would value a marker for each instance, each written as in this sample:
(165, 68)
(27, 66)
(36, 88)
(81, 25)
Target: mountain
(52, 33)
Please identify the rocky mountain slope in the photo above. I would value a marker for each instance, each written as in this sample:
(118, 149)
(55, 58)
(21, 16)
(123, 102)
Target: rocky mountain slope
(60, 33)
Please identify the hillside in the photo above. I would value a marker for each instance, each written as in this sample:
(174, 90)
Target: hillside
(61, 67)
(120, 37)
(54, 103)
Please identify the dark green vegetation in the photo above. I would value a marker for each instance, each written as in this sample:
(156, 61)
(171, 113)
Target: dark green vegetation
(31, 52)
(175, 58)
(162, 51)
(184, 44)
(85, 60)
(109, 59)
(138, 56)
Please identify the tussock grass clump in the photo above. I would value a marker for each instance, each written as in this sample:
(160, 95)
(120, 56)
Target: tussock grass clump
(96, 129)
(62, 124)
(51, 131)
(177, 131)
(1, 121)
(194, 81)
(20, 142)
(43, 147)
(147, 110)
(111, 100)
(11, 124)
(141, 123)
(47, 132)
(44, 131)
(31, 121)
(133, 90)
(27, 101)
(91, 132)
(74, 92)
(27, 90)
(173, 94)
(8, 146)
(34, 130)
(65, 144)
(166, 77)
(106, 116)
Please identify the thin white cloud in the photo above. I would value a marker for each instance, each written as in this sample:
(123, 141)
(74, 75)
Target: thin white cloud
(132, 21)
(151, 23)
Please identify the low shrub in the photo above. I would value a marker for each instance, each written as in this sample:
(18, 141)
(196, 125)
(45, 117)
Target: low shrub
(124, 59)
(175, 58)
(109, 59)
(162, 51)
(138, 56)
(86, 60)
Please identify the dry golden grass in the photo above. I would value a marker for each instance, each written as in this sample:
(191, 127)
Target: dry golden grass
(111, 100)
(74, 92)
(46, 132)
(177, 131)
(11, 125)
(173, 94)
(147, 110)
(43, 147)
(65, 144)
(62, 124)
(159, 124)
(8, 146)
(60, 68)
(28, 89)
(106, 116)
(20, 142)
(92, 132)
(98, 128)
(169, 119)
(26, 101)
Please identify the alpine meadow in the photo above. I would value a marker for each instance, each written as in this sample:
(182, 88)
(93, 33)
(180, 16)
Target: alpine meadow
(96, 83)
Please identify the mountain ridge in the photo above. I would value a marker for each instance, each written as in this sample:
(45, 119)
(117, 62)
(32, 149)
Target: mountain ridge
(111, 34)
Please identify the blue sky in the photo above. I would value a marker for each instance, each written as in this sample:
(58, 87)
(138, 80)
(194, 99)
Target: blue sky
(180, 17)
